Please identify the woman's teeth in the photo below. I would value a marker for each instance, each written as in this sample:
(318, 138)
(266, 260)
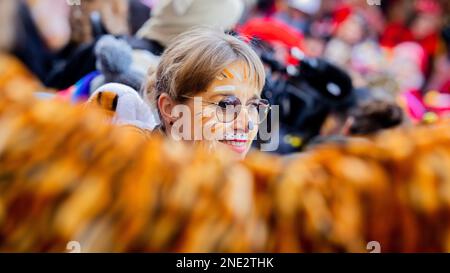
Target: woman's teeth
(236, 137)
(235, 143)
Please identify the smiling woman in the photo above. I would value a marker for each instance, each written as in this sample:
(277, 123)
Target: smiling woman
(207, 88)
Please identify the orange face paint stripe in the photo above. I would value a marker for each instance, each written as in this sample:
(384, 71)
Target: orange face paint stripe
(236, 75)
(246, 76)
(225, 88)
(228, 74)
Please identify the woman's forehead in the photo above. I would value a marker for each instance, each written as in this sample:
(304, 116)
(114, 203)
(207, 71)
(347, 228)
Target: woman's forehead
(237, 70)
(234, 79)
(233, 86)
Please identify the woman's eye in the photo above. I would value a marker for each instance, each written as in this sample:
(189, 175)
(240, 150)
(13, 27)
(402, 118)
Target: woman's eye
(258, 105)
(223, 104)
(229, 102)
(254, 104)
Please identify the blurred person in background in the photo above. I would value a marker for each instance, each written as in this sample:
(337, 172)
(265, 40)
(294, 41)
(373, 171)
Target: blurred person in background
(407, 64)
(45, 43)
(55, 30)
(173, 17)
(440, 79)
(138, 13)
(372, 117)
(39, 37)
(432, 102)
(299, 13)
(367, 118)
(113, 15)
(425, 24)
(169, 18)
(418, 21)
(351, 33)
(8, 11)
(13, 73)
(258, 8)
(87, 21)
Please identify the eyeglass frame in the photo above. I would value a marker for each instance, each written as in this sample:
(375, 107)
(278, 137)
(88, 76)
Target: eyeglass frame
(217, 105)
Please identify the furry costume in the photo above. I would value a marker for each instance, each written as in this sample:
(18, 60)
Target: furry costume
(67, 175)
(14, 76)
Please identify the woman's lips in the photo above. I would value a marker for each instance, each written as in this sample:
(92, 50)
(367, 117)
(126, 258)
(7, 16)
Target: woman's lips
(237, 145)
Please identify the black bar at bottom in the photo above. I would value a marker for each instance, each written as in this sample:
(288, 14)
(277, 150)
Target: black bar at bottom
(225, 262)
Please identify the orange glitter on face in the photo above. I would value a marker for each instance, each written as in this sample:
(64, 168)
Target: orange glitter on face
(236, 75)
(227, 73)
(245, 73)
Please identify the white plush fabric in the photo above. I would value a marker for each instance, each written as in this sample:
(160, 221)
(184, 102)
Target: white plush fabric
(131, 109)
(170, 18)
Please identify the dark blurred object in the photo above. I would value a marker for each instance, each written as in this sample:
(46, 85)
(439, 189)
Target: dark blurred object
(80, 63)
(306, 95)
(374, 116)
(29, 46)
(79, 59)
(266, 7)
(446, 37)
(97, 26)
(138, 14)
(113, 13)
(82, 59)
(306, 89)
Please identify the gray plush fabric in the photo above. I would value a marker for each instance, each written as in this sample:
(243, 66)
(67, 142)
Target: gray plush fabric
(114, 60)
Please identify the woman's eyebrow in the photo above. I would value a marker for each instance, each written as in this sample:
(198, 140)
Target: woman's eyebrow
(255, 97)
(223, 94)
(223, 88)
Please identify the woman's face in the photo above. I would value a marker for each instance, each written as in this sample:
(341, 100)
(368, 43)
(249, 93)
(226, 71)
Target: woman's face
(226, 114)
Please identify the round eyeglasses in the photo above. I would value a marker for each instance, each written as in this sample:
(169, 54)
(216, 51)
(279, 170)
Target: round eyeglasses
(229, 108)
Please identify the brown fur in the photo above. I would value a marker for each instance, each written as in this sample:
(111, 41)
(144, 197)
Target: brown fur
(65, 175)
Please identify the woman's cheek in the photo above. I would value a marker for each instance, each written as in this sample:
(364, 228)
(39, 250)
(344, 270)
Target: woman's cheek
(252, 136)
(211, 129)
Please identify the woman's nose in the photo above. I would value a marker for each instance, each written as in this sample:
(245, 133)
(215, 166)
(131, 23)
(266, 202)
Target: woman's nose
(243, 122)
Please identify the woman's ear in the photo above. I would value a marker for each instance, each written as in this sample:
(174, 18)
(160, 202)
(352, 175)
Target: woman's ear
(165, 106)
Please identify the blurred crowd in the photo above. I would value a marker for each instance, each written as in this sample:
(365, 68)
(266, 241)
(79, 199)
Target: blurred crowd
(398, 50)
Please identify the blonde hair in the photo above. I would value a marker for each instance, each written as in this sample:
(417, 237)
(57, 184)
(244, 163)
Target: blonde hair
(194, 59)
